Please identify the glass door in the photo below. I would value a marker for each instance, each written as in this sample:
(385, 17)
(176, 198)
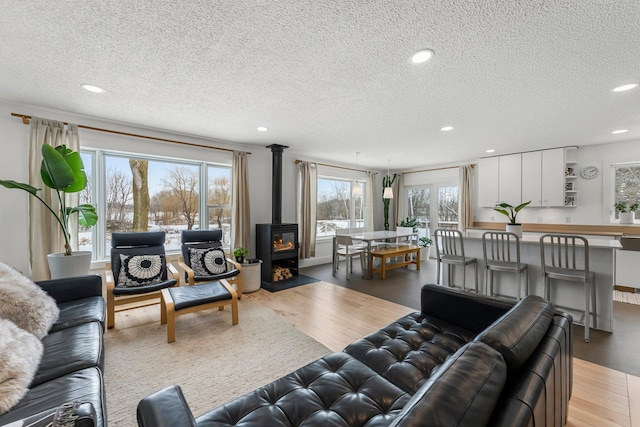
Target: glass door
(443, 213)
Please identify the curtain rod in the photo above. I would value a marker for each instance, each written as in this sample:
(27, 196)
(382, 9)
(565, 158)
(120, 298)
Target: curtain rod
(332, 166)
(25, 120)
(473, 165)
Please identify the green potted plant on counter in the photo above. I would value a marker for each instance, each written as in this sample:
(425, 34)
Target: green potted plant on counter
(62, 170)
(626, 211)
(511, 212)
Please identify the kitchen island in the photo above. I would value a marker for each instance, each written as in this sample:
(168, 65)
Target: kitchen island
(567, 296)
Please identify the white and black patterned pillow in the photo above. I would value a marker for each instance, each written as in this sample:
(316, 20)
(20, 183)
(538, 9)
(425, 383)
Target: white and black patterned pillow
(208, 261)
(140, 270)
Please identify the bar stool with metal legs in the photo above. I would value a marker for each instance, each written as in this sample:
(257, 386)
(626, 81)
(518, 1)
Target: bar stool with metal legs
(565, 253)
(501, 252)
(450, 251)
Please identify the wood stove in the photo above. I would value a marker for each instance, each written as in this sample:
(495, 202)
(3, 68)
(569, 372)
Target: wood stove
(277, 247)
(277, 243)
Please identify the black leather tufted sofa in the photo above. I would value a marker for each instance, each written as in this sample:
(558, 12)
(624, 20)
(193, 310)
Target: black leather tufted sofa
(73, 359)
(463, 360)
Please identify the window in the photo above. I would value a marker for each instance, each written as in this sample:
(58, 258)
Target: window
(626, 186)
(142, 193)
(336, 207)
(444, 211)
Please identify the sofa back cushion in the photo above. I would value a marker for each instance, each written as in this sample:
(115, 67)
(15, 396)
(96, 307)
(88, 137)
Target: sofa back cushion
(518, 332)
(472, 312)
(462, 392)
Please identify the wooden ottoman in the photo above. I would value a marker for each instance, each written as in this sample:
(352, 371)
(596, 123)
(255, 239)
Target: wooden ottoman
(189, 299)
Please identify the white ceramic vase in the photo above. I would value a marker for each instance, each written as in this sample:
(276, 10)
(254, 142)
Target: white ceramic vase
(425, 252)
(515, 229)
(627, 217)
(76, 264)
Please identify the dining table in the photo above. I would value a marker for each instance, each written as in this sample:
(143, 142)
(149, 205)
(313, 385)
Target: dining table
(369, 237)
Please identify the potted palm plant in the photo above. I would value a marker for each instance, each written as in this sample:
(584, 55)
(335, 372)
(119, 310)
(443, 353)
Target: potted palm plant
(62, 171)
(626, 212)
(511, 212)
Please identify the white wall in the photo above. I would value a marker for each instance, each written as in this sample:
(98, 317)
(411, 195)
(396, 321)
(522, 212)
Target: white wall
(591, 208)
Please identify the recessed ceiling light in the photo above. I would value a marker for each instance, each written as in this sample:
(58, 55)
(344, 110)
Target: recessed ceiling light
(491, 150)
(262, 128)
(92, 88)
(626, 87)
(422, 56)
(446, 128)
(620, 131)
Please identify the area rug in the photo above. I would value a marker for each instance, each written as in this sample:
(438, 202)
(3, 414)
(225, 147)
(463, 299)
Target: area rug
(288, 284)
(211, 360)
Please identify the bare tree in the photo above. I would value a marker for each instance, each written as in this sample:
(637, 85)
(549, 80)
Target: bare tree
(140, 188)
(183, 184)
(220, 196)
(118, 197)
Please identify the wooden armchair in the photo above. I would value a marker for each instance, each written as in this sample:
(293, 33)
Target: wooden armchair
(138, 271)
(204, 260)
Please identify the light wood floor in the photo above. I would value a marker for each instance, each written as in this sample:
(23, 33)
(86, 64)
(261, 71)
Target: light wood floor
(336, 316)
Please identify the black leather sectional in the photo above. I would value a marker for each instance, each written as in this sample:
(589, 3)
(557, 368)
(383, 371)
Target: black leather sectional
(73, 360)
(463, 360)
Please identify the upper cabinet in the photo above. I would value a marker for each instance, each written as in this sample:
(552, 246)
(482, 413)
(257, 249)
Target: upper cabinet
(499, 180)
(539, 176)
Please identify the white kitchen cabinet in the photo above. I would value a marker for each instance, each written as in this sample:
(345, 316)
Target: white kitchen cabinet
(488, 182)
(510, 179)
(532, 177)
(553, 166)
(539, 176)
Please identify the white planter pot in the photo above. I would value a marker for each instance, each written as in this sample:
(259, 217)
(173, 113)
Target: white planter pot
(251, 277)
(515, 229)
(425, 252)
(77, 264)
(627, 217)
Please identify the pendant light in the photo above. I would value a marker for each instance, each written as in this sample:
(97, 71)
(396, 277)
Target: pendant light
(388, 191)
(357, 188)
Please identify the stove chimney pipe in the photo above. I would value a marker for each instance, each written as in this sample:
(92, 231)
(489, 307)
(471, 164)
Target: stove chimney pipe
(276, 182)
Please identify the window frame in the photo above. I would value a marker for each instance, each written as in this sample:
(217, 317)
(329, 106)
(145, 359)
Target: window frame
(611, 199)
(98, 169)
(353, 221)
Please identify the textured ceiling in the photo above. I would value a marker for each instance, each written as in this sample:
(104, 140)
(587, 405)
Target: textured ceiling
(330, 77)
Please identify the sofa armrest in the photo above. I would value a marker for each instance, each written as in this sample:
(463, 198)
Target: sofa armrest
(470, 311)
(73, 288)
(165, 408)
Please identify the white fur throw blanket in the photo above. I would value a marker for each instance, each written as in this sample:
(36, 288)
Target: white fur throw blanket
(20, 354)
(25, 303)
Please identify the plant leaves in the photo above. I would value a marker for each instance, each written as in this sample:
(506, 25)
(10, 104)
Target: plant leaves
(87, 215)
(55, 171)
(13, 184)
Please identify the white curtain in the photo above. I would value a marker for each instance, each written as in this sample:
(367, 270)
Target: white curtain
(45, 235)
(370, 197)
(240, 212)
(465, 208)
(308, 198)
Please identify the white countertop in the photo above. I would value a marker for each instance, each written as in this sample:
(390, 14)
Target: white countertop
(594, 242)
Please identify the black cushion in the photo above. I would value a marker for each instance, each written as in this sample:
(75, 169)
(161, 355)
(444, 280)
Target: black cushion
(144, 289)
(462, 393)
(135, 243)
(69, 350)
(199, 239)
(408, 350)
(336, 390)
(84, 386)
(165, 408)
(73, 313)
(191, 296)
(518, 332)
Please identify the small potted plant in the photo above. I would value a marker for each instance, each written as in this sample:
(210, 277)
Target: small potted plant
(425, 243)
(511, 212)
(240, 253)
(626, 211)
